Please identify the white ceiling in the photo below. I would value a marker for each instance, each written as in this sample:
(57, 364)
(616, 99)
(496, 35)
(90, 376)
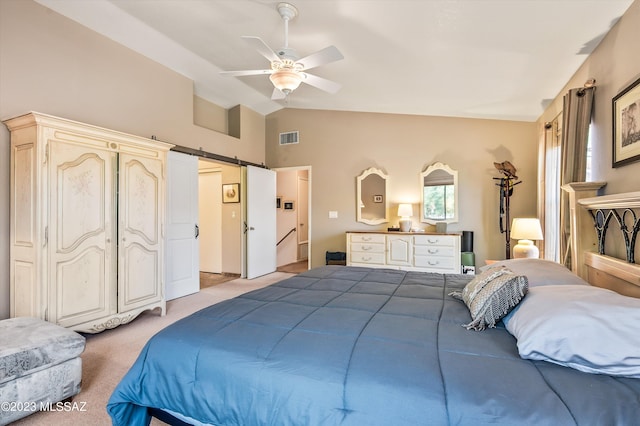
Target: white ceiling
(496, 59)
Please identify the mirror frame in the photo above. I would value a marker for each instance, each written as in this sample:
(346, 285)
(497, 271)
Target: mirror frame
(425, 173)
(359, 204)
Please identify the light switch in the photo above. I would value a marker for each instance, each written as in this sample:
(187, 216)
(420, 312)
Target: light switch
(333, 214)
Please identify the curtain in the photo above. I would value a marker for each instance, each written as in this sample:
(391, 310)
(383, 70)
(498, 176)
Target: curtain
(551, 191)
(578, 105)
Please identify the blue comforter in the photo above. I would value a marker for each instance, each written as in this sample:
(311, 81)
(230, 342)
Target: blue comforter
(357, 346)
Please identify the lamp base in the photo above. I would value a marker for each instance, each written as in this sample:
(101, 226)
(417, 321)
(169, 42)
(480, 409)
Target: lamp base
(405, 225)
(525, 249)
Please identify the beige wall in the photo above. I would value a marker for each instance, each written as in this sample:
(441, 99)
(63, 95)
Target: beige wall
(614, 64)
(340, 145)
(210, 115)
(53, 65)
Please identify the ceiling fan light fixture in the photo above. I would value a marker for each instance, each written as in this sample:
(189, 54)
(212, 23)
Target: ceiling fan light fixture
(286, 80)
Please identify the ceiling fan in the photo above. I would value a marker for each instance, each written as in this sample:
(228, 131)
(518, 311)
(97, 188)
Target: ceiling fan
(288, 70)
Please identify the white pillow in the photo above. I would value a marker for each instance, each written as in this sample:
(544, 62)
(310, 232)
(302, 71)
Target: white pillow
(539, 271)
(583, 327)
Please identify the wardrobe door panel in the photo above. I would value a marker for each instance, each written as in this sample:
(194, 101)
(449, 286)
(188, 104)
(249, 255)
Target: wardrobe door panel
(140, 218)
(26, 293)
(81, 234)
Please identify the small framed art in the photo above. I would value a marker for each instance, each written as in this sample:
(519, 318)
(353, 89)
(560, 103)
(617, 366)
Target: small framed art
(626, 125)
(231, 193)
(288, 205)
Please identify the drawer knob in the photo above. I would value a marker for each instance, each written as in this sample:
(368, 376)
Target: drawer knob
(366, 248)
(433, 251)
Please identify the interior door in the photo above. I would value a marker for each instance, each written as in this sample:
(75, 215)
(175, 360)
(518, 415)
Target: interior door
(261, 222)
(182, 256)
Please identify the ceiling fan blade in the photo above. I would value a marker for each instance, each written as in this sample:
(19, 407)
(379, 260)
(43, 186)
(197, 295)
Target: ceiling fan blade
(321, 83)
(277, 94)
(262, 48)
(321, 57)
(245, 72)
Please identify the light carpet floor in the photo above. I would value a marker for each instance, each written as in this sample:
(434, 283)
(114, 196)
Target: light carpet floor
(110, 354)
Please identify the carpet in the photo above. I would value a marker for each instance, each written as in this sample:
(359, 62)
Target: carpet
(110, 354)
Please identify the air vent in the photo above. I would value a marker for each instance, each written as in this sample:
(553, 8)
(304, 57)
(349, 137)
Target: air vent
(289, 138)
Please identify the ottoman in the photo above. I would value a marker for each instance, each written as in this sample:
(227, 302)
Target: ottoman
(39, 364)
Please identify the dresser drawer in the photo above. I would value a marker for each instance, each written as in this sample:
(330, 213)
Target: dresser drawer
(435, 240)
(367, 247)
(367, 238)
(437, 263)
(433, 250)
(368, 258)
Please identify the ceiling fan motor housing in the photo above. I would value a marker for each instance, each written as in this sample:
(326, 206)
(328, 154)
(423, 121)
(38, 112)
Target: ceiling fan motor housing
(288, 53)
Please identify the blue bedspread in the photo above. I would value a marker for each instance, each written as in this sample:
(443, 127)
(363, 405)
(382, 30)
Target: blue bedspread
(357, 346)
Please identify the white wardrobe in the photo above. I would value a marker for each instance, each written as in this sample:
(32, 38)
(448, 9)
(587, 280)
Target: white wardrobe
(87, 212)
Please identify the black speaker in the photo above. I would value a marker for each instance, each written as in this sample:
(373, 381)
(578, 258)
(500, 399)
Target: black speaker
(467, 241)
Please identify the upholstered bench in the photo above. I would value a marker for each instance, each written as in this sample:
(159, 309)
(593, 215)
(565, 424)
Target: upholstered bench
(39, 364)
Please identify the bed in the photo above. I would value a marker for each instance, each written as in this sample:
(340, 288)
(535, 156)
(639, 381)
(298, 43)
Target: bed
(342, 345)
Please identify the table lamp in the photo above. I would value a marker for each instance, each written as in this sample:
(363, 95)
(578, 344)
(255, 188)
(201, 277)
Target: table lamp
(525, 230)
(405, 211)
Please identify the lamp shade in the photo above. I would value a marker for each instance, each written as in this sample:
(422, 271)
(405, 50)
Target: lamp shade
(526, 229)
(405, 210)
(286, 80)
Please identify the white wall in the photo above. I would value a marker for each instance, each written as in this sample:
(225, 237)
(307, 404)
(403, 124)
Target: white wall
(210, 216)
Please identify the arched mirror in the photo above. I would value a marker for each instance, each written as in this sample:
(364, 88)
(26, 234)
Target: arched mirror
(439, 186)
(371, 197)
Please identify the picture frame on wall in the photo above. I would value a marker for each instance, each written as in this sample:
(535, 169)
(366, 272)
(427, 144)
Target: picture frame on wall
(278, 202)
(626, 125)
(231, 193)
(288, 205)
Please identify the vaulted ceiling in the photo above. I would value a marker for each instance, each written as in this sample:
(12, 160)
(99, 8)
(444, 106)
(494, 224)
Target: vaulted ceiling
(496, 59)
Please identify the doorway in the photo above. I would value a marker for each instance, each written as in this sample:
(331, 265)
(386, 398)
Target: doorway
(220, 224)
(216, 231)
(293, 221)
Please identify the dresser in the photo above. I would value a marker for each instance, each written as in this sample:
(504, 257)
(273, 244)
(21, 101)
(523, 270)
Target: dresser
(405, 250)
(87, 213)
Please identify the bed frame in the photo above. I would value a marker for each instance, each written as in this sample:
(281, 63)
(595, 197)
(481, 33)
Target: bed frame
(604, 230)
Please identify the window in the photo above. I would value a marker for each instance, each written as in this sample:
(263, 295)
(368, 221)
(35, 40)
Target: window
(552, 190)
(439, 202)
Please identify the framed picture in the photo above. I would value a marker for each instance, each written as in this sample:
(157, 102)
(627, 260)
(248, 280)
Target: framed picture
(377, 198)
(288, 205)
(278, 202)
(626, 125)
(231, 193)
